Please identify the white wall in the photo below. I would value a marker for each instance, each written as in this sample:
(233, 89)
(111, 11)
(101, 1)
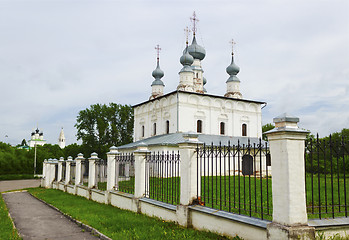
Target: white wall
(192, 107)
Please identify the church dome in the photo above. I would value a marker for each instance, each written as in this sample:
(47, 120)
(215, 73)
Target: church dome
(186, 58)
(233, 69)
(196, 50)
(158, 73)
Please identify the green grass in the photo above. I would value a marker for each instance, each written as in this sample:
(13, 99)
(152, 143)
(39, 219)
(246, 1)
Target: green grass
(117, 223)
(325, 199)
(7, 231)
(16, 176)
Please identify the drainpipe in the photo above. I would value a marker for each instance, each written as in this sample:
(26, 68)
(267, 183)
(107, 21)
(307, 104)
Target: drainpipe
(177, 112)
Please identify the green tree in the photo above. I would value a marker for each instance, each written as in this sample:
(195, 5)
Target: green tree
(265, 128)
(101, 126)
(24, 143)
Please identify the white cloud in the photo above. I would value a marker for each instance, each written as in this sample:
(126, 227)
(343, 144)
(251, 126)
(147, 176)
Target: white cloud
(59, 57)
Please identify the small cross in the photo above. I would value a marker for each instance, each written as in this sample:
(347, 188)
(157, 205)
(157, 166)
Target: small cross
(187, 31)
(232, 46)
(158, 51)
(194, 20)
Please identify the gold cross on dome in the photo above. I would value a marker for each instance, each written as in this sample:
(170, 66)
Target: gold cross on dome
(194, 20)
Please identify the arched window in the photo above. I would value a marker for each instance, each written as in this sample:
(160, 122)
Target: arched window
(222, 128)
(244, 130)
(154, 129)
(199, 126)
(167, 127)
(197, 75)
(143, 131)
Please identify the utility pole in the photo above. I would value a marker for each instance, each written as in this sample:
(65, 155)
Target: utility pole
(34, 159)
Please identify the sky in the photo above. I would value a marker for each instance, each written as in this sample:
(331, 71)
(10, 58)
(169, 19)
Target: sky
(59, 57)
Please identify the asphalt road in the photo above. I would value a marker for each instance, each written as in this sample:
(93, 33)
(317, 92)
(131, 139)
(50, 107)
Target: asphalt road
(18, 184)
(35, 220)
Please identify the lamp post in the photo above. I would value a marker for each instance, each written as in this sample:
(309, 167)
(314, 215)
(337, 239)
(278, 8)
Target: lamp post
(34, 159)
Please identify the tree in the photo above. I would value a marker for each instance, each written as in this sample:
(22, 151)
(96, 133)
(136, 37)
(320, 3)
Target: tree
(101, 126)
(24, 143)
(265, 128)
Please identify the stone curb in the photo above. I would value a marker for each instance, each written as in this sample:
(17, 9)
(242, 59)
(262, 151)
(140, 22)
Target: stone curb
(80, 224)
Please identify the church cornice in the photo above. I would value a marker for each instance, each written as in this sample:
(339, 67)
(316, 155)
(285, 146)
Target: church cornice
(199, 94)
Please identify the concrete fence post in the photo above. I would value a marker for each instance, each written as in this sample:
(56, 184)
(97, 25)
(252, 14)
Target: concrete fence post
(51, 172)
(78, 174)
(140, 160)
(44, 174)
(92, 170)
(60, 169)
(190, 183)
(67, 170)
(111, 168)
(287, 143)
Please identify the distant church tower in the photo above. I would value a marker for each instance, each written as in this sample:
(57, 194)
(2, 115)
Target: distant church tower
(61, 140)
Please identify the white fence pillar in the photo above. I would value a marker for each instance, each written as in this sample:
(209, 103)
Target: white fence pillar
(287, 143)
(44, 173)
(67, 170)
(60, 169)
(78, 174)
(111, 168)
(92, 170)
(140, 158)
(188, 169)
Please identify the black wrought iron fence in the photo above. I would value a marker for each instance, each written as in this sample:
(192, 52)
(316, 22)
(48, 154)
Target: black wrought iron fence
(72, 173)
(56, 171)
(235, 178)
(84, 171)
(101, 174)
(63, 171)
(327, 172)
(162, 181)
(125, 172)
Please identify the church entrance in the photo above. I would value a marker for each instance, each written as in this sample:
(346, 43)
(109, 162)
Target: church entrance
(247, 164)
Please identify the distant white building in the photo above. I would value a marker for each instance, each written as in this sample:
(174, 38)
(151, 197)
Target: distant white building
(161, 121)
(61, 139)
(37, 138)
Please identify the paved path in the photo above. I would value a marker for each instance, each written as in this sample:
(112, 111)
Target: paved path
(18, 184)
(35, 220)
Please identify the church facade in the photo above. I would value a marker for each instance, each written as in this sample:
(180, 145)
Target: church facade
(161, 121)
(37, 138)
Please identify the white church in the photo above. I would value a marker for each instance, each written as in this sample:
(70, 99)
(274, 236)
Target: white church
(37, 139)
(161, 121)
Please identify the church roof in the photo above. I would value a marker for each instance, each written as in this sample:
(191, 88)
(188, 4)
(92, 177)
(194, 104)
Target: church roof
(173, 139)
(201, 94)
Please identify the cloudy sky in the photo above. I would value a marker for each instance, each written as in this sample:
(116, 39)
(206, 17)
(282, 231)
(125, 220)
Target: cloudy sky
(59, 57)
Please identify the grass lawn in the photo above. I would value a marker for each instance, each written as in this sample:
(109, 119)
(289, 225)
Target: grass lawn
(16, 176)
(117, 223)
(6, 228)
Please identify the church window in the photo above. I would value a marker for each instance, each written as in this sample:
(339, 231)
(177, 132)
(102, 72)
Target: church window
(167, 127)
(143, 131)
(154, 129)
(197, 75)
(199, 126)
(222, 128)
(244, 130)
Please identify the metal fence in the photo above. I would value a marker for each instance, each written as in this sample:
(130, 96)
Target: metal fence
(125, 172)
(56, 172)
(327, 170)
(72, 173)
(162, 181)
(63, 171)
(101, 174)
(235, 178)
(84, 172)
